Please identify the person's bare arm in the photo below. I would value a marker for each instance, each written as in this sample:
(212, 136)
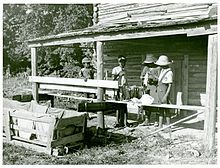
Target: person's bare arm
(164, 100)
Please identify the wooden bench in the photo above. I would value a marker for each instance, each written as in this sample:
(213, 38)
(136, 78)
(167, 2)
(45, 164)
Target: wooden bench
(53, 84)
(168, 106)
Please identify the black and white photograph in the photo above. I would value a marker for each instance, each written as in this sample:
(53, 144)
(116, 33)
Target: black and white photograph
(109, 83)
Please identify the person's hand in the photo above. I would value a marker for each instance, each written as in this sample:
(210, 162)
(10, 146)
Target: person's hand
(121, 73)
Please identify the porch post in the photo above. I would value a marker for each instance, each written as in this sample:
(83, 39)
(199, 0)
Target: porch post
(100, 76)
(185, 81)
(34, 73)
(211, 95)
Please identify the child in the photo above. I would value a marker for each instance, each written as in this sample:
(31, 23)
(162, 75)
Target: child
(165, 81)
(149, 78)
(87, 72)
(119, 74)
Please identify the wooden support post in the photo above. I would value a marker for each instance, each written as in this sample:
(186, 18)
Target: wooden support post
(211, 93)
(35, 85)
(100, 76)
(8, 126)
(185, 72)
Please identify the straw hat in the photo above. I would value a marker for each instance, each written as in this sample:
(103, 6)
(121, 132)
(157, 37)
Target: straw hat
(86, 60)
(163, 61)
(149, 59)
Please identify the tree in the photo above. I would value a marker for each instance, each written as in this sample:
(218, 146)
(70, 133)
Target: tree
(26, 21)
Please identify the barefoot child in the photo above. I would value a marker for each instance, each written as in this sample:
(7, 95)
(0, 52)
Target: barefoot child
(149, 78)
(165, 81)
(119, 74)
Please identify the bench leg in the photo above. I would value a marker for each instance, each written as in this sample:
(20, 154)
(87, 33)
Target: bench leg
(52, 101)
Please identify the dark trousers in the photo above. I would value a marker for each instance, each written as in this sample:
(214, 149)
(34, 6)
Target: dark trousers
(121, 114)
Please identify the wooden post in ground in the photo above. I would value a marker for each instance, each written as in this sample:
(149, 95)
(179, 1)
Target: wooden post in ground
(8, 126)
(100, 76)
(34, 73)
(211, 95)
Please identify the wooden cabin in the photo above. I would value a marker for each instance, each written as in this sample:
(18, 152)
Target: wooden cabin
(188, 50)
(187, 33)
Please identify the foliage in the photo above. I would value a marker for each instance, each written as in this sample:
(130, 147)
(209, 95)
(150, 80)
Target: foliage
(27, 21)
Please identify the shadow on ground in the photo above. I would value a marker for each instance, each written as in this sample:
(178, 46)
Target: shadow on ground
(99, 137)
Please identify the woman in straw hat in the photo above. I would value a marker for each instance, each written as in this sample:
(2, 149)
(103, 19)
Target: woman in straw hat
(149, 78)
(165, 81)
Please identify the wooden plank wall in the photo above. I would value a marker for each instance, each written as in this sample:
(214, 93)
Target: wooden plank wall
(173, 46)
(122, 13)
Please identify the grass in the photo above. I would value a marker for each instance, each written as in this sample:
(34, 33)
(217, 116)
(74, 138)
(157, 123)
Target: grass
(119, 149)
(154, 150)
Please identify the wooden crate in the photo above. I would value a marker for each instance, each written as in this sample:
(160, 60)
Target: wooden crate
(44, 132)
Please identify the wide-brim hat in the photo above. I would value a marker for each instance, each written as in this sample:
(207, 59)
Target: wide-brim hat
(86, 60)
(163, 60)
(149, 59)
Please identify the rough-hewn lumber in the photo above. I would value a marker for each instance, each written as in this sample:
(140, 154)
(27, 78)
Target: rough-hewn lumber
(34, 73)
(169, 106)
(211, 93)
(82, 89)
(212, 29)
(74, 82)
(100, 76)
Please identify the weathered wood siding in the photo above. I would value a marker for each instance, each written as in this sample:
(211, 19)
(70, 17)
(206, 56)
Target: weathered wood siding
(173, 46)
(151, 13)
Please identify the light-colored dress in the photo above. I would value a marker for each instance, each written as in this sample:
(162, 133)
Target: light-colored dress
(165, 78)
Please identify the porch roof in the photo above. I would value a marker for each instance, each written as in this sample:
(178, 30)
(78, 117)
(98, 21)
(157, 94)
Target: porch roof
(142, 29)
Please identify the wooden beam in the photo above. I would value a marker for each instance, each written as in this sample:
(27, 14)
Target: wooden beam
(27, 115)
(35, 147)
(68, 88)
(36, 142)
(34, 73)
(211, 93)
(100, 76)
(117, 35)
(75, 82)
(168, 106)
(72, 97)
(106, 37)
(212, 29)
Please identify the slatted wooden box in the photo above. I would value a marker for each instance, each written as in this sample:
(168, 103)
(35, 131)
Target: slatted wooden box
(41, 128)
